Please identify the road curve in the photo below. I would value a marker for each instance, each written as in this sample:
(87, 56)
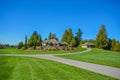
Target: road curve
(101, 69)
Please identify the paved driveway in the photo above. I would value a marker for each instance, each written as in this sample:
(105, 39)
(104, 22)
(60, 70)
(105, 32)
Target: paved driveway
(105, 70)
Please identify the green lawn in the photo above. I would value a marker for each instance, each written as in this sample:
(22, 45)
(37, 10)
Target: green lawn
(18, 51)
(98, 56)
(25, 68)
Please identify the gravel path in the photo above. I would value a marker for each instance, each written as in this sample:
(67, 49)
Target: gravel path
(105, 70)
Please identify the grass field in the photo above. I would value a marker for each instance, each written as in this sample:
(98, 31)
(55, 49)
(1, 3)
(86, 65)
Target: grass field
(18, 51)
(25, 68)
(98, 56)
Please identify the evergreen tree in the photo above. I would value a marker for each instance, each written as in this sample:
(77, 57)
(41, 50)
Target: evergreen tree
(50, 36)
(64, 37)
(114, 45)
(70, 36)
(39, 40)
(101, 39)
(20, 45)
(118, 47)
(78, 37)
(25, 42)
(73, 42)
(35, 40)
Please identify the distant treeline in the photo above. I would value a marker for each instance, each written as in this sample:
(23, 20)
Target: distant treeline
(74, 40)
(7, 46)
(36, 39)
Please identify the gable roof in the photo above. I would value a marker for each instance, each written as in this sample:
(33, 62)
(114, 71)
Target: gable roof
(53, 41)
(88, 44)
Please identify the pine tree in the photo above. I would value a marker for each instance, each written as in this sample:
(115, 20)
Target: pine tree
(70, 36)
(64, 37)
(39, 40)
(101, 39)
(50, 36)
(35, 40)
(114, 45)
(78, 37)
(20, 45)
(73, 42)
(26, 42)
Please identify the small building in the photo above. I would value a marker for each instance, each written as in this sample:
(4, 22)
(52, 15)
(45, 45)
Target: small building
(88, 45)
(53, 42)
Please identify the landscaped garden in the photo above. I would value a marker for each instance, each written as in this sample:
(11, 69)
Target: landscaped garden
(20, 51)
(25, 68)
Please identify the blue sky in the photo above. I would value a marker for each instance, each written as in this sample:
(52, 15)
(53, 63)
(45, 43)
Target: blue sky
(22, 17)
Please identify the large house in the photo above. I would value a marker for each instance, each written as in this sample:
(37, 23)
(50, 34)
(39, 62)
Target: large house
(88, 45)
(53, 42)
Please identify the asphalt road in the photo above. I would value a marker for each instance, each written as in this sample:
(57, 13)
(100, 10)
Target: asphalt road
(101, 69)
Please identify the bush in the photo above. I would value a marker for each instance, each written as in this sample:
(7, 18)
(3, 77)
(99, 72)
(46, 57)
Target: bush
(23, 47)
(20, 45)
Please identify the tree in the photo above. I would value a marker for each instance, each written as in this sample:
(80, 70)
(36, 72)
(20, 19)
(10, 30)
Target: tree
(35, 40)
(70, 36)
(52, 36)
(64, 37)
(73, 42)
(26, 42)
(118, 47)
(114, 45)
(78, 36)
(101, 39)
(20, 45)
(39, 40)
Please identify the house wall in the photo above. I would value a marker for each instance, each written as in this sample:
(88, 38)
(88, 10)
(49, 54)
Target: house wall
(84, 46)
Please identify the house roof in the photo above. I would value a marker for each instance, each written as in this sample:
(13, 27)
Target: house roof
(61, 42)
(88, 44)
(53, 41)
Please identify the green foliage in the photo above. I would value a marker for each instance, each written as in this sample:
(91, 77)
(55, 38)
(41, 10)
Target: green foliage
(101, 39)
(90, 40)
(118, 48)
(73, 42)
(52, 36)
(115, 45)
(81, 42)
(69, 36)
(26, 68)
(64, 37)
(78, 37)
(39, 40)
(20, 45)
(2, 46)
(35, 40)
(23, 47)
(25, 42)
(20, 51)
